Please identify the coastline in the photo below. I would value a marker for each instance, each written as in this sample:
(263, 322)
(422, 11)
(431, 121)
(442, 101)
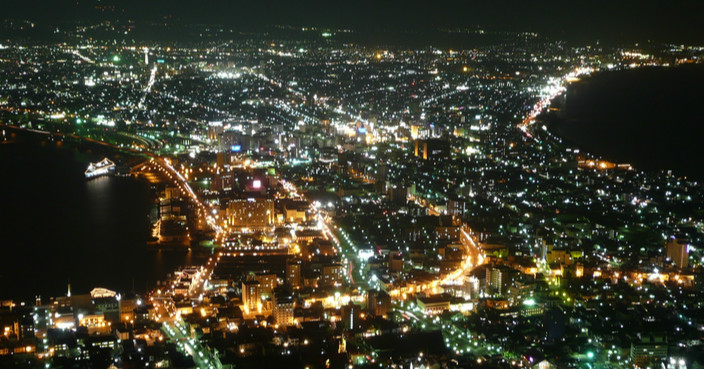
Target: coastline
(111, 214)
(653, 144)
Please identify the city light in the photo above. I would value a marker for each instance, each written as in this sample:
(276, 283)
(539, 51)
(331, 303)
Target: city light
(309, 199)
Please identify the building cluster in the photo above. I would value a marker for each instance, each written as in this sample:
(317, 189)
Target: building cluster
(93, 330)
(367, 206)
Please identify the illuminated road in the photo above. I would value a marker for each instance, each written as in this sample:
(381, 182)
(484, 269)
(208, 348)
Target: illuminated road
(202, 356)
(200, 282)
(327, 228)
(473, 254)
(456, 338)
(152, 79)
(203, 212)
(84, 58)
(352, 117)
(554, 88)
(176, 330)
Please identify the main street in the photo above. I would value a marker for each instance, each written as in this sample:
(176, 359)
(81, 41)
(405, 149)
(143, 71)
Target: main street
(202, 356)
(164, 165)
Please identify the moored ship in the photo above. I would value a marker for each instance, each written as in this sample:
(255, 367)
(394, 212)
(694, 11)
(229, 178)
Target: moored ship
(101, 168)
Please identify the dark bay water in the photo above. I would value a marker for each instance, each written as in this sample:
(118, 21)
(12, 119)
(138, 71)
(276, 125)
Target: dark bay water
(650, 117)
(56, 227)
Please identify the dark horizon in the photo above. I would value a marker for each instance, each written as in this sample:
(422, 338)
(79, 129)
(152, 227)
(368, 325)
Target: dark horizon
(623, 21)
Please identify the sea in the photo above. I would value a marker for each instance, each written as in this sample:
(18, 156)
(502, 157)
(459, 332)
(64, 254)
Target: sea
(650, 117)
(58, 229)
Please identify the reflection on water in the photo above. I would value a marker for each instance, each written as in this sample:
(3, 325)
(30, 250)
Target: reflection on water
(57, 227)
(99, 191)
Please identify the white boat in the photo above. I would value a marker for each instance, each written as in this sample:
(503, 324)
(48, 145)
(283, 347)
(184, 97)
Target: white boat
(101, 168)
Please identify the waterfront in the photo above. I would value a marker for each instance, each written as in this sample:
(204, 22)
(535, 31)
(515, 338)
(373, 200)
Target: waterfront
(649, 117)
(360, 201)
(58, 227)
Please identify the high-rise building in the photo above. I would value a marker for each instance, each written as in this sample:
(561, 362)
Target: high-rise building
(378, 303)
(283, 307)
(498, 279)
(251, 296)
(677, 250)
(293, 273)
(350, 316)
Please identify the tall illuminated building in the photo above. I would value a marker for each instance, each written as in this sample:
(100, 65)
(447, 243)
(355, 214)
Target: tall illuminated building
(677, 251)
(283, 307)
(251, 296)
(293, 273)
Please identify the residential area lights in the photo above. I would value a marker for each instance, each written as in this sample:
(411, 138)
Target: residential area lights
(346, 206)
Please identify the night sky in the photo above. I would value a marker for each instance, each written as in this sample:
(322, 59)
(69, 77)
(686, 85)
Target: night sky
(630, 20)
